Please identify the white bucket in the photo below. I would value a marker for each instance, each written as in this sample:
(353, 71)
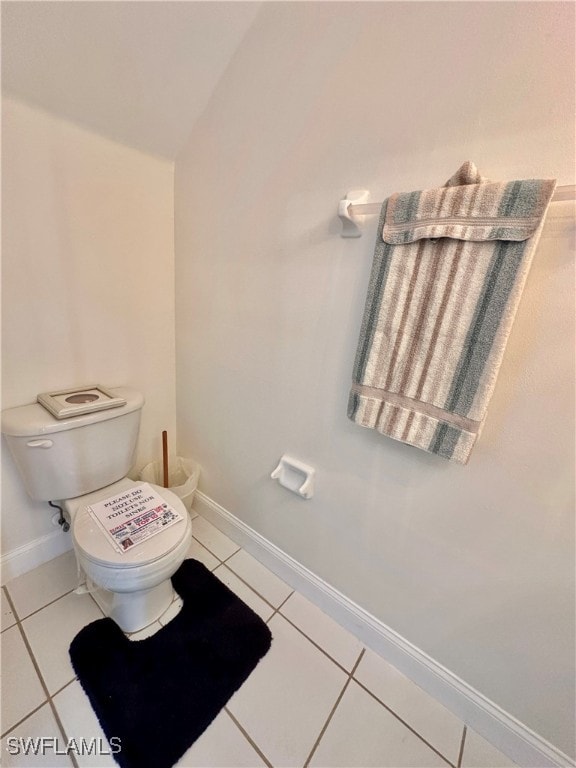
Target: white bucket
(183, 475)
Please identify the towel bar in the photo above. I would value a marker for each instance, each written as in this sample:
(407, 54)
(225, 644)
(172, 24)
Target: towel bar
(354, 205)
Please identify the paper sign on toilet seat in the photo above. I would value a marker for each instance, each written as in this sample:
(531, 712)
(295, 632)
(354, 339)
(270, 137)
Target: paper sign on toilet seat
(133, 516)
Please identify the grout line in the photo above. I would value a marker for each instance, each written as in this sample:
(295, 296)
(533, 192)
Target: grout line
(229, 557)
(66, 685)
(11, 606)
(223, 534)
(410, 728)
(191, 556)
(327, 723)
(358, 660)
(253, 589)
(34, 661)
(246, 584)
(314, 643)
(333, 710)
(41, 679)
(37, 610)
(277, 610)
(32, 712)
(71, 755)
(248, 738)
(461, 753)
(283, 603)
(17, 625)
(214, 553)
(206, 548)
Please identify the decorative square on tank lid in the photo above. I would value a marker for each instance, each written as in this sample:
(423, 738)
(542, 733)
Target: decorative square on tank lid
(74, 402)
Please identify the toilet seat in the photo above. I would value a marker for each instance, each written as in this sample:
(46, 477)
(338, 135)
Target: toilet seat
(92, 543)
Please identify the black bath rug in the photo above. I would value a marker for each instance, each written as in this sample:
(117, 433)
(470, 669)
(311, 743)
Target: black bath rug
(157, 695)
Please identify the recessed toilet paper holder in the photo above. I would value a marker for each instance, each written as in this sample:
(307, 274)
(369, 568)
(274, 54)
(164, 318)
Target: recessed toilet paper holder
(296, 476)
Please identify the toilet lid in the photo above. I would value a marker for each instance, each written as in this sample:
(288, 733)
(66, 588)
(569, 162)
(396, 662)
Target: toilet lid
(93, 543)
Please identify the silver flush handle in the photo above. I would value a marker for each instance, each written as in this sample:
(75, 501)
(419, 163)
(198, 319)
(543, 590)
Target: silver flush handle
(40, 444)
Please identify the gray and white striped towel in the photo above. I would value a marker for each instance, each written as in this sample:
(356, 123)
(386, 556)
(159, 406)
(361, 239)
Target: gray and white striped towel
(449, 267)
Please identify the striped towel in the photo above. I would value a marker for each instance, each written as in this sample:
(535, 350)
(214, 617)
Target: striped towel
(449, 267)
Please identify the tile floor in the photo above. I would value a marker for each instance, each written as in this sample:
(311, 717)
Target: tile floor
(317, 699)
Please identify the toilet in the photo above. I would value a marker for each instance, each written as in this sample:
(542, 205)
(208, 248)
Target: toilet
(80, 459)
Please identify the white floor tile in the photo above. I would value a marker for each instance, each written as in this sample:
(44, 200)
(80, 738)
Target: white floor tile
(341, 645)
(50, 632)
(80, 722)
(213, 539)
(283, 705)
(220, 746)
(263, 581)
(288, 697)
(479, 753)
(198, 552)
(18, 750)
(428, 717)
(244, 592)
(34, 589)
(363, 734)
(21, 688)
(7, 618)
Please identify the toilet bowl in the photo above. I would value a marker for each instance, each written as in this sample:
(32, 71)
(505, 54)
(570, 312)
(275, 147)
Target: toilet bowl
(132, 587)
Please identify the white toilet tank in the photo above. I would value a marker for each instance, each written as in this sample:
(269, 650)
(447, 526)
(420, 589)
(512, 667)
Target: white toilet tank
(61, 459)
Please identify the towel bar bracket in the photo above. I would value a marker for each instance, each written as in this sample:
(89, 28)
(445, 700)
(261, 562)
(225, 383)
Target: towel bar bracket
(350, 223)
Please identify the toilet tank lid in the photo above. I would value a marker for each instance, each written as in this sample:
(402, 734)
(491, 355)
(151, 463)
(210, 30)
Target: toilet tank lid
(34, 419)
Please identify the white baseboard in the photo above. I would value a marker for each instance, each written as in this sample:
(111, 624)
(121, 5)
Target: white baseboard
(505, 732)
(35, 553)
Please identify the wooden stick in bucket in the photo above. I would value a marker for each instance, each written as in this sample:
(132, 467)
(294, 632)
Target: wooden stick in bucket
(165, 457)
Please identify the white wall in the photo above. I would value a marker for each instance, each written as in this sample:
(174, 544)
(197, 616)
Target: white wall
(475, 564)
(137, 73)
(87, 281)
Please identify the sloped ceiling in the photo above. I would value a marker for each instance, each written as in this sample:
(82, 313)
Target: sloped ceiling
(140, 73)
